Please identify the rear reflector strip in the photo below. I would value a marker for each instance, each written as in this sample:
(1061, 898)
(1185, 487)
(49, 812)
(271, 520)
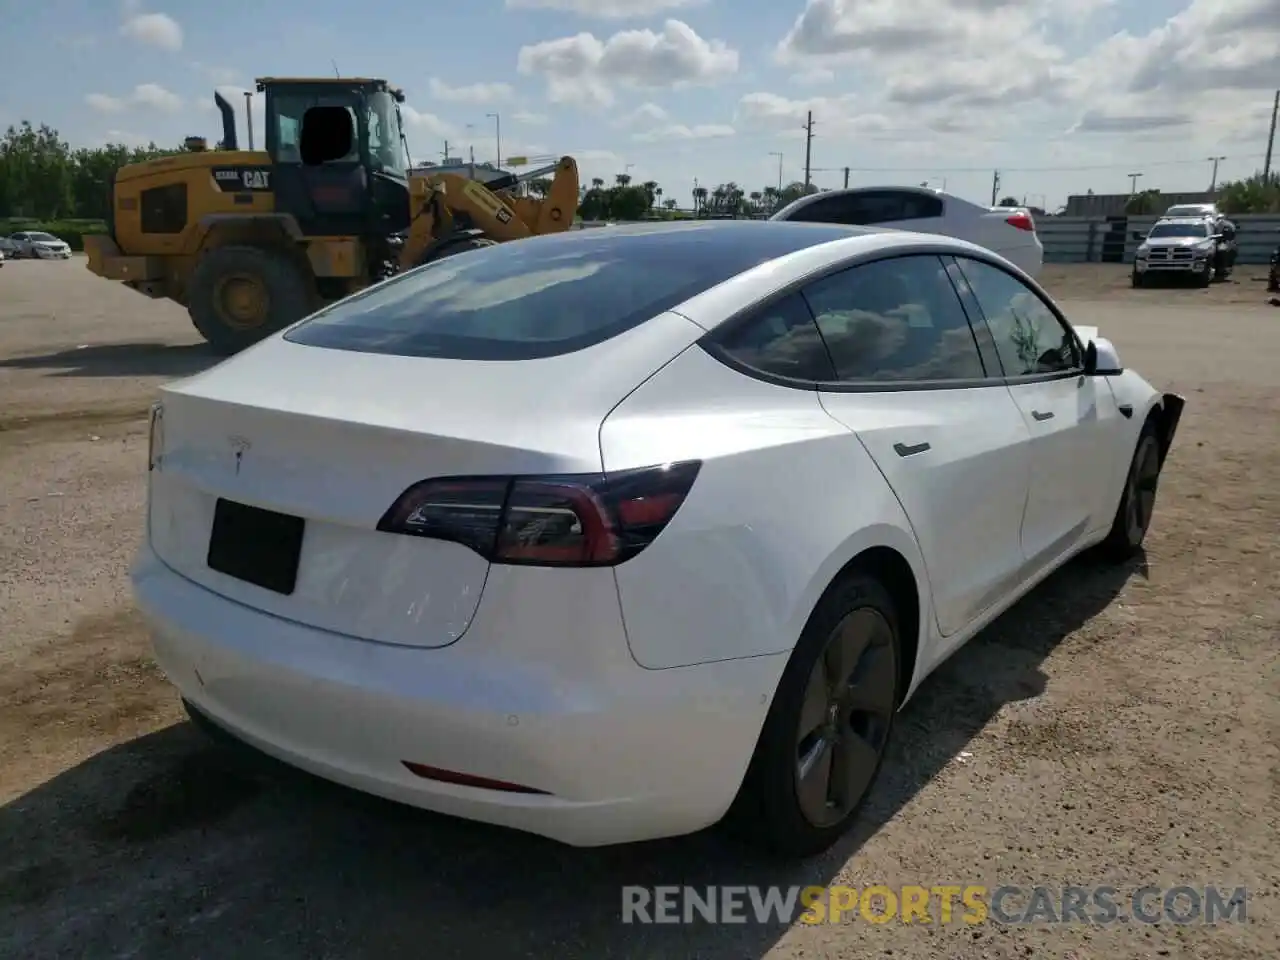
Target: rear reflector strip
(467, 780)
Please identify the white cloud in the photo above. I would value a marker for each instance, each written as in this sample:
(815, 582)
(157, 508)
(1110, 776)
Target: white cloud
(126, 138)
(813, 76)
(584, 69)
(150, 96)
(427, 124)
(471, 93)
(678, 131)
(156, 97)
(154, 30)
(104, 103)
(606, 9)
(529, 119)
(646, 114)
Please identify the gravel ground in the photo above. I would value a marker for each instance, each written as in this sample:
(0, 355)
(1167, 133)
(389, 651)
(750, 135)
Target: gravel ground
(1114, 728)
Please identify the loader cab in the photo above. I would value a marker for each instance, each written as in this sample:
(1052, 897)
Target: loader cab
(338, 159)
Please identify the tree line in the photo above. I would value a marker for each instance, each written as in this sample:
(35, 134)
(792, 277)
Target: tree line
(43, 178)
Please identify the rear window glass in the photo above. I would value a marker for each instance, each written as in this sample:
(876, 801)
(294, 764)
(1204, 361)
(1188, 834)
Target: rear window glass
(549, 295)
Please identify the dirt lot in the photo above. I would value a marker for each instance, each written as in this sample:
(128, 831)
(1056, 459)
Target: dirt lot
(1115, 728)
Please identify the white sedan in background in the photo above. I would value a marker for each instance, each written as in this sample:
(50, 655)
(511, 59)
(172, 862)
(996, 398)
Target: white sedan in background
(1009, 231)
(608, 534)
(40, 246)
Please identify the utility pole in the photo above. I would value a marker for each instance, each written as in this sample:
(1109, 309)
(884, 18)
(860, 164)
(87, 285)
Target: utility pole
(446, 152)
(808, 150)
(774, 153)
(497, 136)
(1271, 138)
(1133, 182)
(995, 186)
(846, 178)
(1213, 180)
(248, 114)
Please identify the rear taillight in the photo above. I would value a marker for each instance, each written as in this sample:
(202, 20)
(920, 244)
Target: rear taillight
(571, 520)
(1021, 221)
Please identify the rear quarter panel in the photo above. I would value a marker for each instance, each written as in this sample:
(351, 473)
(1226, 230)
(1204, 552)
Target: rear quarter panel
(785, 498)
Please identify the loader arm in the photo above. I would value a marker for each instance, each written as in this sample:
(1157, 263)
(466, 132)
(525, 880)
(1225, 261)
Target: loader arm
(443, 205)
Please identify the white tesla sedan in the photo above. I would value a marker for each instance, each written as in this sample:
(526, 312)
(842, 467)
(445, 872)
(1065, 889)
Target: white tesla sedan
(602, 535)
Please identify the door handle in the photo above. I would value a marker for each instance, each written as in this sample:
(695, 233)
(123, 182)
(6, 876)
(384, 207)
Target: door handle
(1041, 417)
(1126, 410)
(905, 450)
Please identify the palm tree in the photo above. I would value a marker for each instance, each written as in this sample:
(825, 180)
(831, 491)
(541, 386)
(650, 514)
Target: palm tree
(699, 199)
(622, 179)
(651, 190)
(597, 182)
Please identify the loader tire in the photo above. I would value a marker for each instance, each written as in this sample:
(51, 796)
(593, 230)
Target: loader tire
(240, 295)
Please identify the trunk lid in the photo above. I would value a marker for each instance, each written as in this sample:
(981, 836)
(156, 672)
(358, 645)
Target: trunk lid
(334, 437)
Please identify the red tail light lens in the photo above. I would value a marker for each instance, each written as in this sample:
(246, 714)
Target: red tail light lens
(1021, 221)
(574, 520)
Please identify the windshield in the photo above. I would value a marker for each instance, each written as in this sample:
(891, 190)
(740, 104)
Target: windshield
(1198, 230)
(42, 236)
(386, 148)
(1190, 210)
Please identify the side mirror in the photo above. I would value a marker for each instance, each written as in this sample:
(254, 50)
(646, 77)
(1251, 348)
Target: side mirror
(1101, 359)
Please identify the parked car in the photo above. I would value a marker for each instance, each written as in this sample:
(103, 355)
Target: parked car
(1186, 247)
(8, 249)
(612, 532)
(37, 245)
(1009, 231)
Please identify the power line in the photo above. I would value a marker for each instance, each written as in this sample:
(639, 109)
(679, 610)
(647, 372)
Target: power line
(1061, 169)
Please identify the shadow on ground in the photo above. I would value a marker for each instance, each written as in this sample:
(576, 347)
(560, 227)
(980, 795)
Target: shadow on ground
(119, 360)
(166, 847)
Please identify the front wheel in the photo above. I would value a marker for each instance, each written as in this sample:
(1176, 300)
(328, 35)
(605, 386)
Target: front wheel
(240, 295)
(1137, 501)
(824, 738)
(1135, 278)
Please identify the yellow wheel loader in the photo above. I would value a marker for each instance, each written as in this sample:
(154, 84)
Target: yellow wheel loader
(250, 241)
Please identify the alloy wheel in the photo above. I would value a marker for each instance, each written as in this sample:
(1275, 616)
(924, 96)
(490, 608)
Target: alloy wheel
(845, 717)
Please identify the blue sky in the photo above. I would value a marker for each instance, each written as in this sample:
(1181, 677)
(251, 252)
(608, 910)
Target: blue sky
(1060, 95)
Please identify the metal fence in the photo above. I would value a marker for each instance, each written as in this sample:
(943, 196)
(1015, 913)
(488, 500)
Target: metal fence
(1114, 239)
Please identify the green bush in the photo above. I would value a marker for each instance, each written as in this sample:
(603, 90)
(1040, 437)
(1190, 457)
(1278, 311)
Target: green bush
(72, 231)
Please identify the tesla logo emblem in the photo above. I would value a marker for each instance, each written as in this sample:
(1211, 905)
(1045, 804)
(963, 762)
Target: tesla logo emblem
(239, 446)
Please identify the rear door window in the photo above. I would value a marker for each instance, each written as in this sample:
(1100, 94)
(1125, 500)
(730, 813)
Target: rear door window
(837, 208)
(897, 320)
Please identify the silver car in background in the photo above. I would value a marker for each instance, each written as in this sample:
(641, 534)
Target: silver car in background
(38, 245)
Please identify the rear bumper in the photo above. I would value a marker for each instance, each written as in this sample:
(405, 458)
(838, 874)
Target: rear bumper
(622, 753)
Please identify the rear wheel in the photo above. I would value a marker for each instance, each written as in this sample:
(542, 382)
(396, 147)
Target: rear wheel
(240, 295)
(1138, 501)
(824, 739)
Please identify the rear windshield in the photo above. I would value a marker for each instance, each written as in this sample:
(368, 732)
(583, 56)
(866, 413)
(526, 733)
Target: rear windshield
(549, 295)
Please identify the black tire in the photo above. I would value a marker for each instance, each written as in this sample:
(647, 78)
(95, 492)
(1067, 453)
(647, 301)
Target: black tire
(1205, 278)
(1135, 278)
(773, 809)
(448, 250)
(1137, 500)
(274, 290)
